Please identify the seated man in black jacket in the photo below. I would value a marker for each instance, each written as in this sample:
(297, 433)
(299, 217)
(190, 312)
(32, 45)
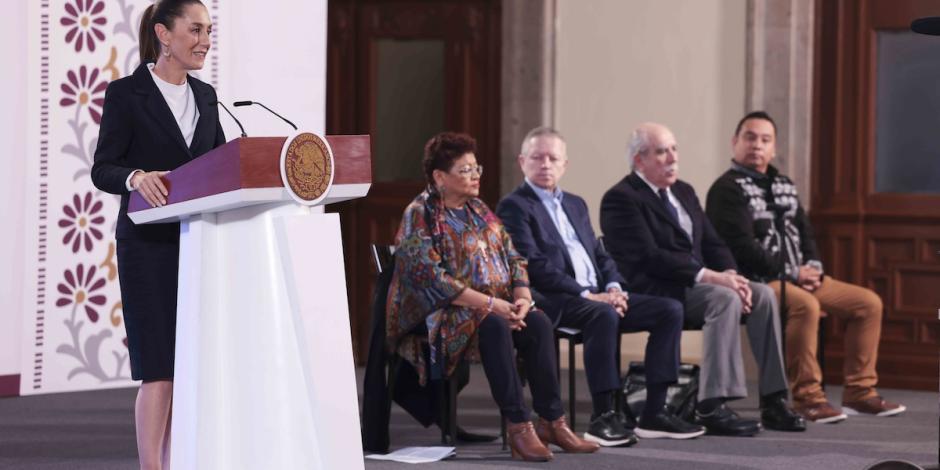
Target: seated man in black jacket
(756, 210)
(657, 233)
(581, 288)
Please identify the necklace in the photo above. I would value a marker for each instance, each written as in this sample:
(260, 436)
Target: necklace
(480, 244)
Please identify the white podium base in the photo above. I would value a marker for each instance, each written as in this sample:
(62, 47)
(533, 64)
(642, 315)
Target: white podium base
(264, 369)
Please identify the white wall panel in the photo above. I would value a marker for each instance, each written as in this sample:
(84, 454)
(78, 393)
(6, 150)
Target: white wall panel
(13, 35)
(58, 332)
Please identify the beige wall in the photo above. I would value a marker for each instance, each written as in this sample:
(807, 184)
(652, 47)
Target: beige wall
(622, 62)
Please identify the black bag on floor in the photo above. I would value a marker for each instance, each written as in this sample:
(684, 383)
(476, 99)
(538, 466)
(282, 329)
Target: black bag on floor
(681, 397)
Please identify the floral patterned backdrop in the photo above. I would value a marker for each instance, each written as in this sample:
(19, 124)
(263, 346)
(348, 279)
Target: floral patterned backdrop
(74, 338)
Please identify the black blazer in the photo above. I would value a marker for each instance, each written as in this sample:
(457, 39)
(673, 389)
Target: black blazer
(650, 248)
(138, 132)
(551, 272)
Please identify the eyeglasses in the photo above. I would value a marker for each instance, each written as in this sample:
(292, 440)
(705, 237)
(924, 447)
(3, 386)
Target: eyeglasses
(468, 171)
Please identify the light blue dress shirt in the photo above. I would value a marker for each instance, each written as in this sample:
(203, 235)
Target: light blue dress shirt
(584, 272)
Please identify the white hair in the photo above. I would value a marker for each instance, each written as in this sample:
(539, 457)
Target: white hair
(638, 143)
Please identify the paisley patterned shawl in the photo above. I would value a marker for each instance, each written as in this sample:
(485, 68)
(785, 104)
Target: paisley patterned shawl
(437, 257)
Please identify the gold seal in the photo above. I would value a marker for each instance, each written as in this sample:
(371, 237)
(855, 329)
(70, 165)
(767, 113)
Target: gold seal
(307, 167)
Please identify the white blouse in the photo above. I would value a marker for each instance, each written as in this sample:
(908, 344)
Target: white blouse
(182, 104)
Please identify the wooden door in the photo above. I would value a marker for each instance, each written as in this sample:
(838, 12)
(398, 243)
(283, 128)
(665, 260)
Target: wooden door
(876, 175)
(402, 71)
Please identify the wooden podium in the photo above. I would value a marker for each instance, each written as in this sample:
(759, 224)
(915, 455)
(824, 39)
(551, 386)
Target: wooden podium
(264, 367)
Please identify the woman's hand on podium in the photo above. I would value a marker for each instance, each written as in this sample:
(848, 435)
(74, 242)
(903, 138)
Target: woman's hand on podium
(150, 186)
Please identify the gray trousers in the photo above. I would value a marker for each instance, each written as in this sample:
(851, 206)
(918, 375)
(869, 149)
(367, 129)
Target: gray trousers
(717, 310)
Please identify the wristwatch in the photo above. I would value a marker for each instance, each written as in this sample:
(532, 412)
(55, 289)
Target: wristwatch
(815, 264)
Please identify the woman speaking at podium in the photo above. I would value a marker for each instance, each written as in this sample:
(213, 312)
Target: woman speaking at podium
(154, 121)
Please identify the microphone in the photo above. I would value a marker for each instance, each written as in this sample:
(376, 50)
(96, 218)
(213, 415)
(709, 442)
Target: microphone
(249, 103)
(230, 114)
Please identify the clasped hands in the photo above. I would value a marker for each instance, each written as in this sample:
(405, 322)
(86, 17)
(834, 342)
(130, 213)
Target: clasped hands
(514, 312)
(734, 281)
(616, 298)
(809, 278)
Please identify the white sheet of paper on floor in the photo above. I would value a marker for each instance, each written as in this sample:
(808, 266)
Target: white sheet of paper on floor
(416, 454)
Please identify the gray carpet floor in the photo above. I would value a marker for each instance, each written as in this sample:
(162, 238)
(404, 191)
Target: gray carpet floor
(94, 430)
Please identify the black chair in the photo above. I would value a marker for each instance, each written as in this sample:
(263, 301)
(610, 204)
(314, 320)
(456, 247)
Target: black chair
(574, 338)
(383, 369)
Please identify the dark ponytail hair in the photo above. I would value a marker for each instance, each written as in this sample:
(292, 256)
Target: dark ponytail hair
(162, 12)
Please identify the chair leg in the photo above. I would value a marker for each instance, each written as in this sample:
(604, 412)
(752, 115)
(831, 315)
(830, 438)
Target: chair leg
(617, 358)
(619, 391)
(443, 408)
(448, 410)
(821, 351)
(394, 367)
(557, 358)
(452, 409)
(571, 384)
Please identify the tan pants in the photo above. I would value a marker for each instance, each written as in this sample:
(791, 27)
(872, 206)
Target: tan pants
(861, 310)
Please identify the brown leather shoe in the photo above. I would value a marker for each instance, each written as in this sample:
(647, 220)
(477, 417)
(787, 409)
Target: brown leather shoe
(873, 406)
(525, 444)
(822, 412)
(557, 432)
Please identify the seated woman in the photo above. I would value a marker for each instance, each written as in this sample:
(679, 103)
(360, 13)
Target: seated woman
(457, 272)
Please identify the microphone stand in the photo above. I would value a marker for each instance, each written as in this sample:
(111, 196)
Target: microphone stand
(780, 226)
(238, 104)
(240, 127)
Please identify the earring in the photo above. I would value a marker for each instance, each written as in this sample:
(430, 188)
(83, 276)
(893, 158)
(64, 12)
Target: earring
(166, 50)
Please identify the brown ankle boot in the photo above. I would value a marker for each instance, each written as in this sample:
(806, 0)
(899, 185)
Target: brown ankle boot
(557, 432)
(525, 444)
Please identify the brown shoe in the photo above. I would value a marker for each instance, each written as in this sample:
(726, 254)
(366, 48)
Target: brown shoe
(821, 413)
(557, 432)
(525, 444)
(873, 406)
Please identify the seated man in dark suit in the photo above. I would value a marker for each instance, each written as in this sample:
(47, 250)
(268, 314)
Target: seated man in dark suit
(657, 233)
(581, 288)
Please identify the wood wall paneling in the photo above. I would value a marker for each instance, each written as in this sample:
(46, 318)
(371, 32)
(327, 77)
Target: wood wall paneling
(880, 283)
(917, 289)
(930, 250)
(470, 31)
(886, 241)
(930, 333)
(884, 250)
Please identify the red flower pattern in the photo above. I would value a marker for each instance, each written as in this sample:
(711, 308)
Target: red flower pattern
(82, 221)
(85, 19)
(79, 289)
(85, 89)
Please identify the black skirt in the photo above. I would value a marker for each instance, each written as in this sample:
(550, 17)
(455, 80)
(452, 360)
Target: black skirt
(148, 273)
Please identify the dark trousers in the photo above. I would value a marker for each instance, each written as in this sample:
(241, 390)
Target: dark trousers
(536, 347)
(601, 326)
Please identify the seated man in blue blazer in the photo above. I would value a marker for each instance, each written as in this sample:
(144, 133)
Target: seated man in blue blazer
(663, 244)
(580, 287)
